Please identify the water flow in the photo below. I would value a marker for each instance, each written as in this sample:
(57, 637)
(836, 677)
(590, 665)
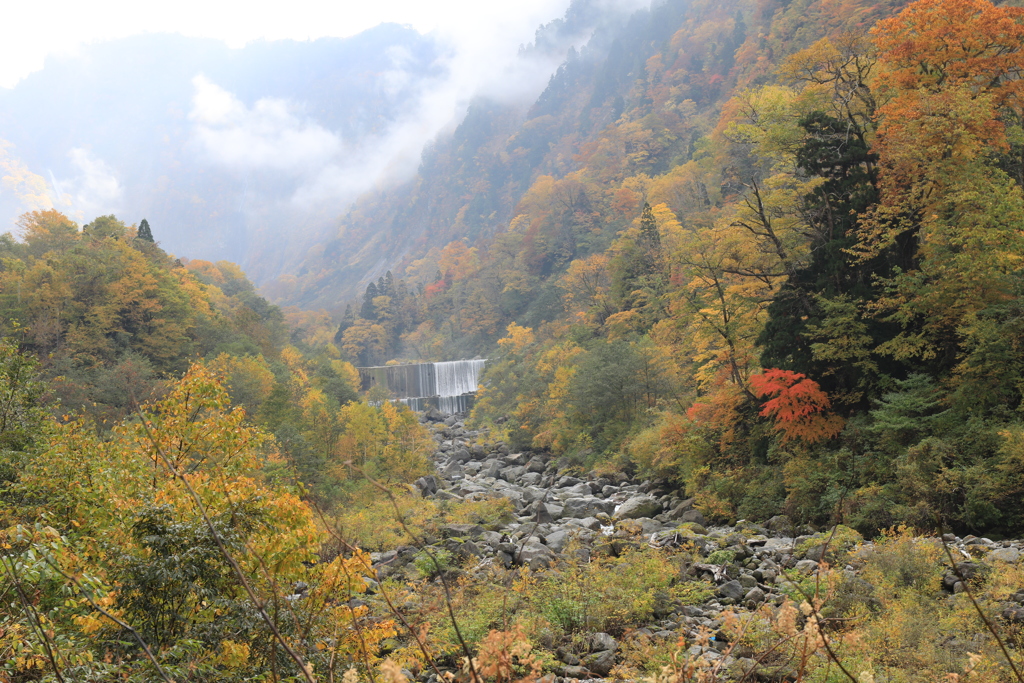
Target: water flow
(419, 384)
(457, 377)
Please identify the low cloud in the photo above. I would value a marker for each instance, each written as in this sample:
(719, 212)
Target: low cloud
(324, 171)
(268, 135)
(94, 189)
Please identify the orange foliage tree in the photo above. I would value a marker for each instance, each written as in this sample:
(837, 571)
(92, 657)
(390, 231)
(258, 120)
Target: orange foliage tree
(797, 404)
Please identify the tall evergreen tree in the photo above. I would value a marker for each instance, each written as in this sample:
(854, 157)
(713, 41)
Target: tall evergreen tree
(367, 311)
(144, 231)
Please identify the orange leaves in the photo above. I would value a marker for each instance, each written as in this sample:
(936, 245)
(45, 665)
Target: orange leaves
(950, 67)
(938, 44)
(797, 404)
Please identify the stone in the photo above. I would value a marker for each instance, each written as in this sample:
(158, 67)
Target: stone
(536, 465)
(535, 555)
(1014, 615)
(600, 663)
(491, 468)
(427, 485)
(531, 478)
(732, 590)
(967, 570)
(453, 469)
(580, 508)
(806, 567)
(748, 581)
(576, 672)
(693, 516)
(462, 531)
(513, 473)
(754, 595)
(599, 642)
(638, 506)
(577, 491)
(462, 455)
(540, 512)
(1009, 555)
(557, 540)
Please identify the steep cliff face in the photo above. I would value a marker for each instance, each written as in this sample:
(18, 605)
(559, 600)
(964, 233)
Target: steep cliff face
(633, 98)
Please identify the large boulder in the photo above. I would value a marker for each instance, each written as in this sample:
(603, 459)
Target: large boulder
(1010, 555)
(427, 485)
(600, 663)
(732, 590)
(462, 455)
(588, 506)
(638, 506)
(534, 555)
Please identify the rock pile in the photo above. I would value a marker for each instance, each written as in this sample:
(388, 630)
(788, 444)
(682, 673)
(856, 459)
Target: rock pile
(749, 564)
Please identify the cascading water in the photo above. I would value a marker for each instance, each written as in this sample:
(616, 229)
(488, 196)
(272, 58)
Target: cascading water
(457, 377)
(448, 386)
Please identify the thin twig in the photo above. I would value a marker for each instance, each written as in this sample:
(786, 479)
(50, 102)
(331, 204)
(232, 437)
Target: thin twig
(427, 658)
(819, 620)
(440, 575)
(32, 615)
(227, 555)
(981, 613)
(120, 622)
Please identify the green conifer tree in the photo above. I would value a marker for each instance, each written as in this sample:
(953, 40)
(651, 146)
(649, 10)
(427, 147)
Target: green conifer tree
(144, 231)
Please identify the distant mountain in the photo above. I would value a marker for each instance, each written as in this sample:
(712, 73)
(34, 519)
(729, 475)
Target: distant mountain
(631, 100)
(225, 151)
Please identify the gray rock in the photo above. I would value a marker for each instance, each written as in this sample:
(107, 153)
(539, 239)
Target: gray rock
(732, 590)
(638, 506)
(531, 478)
(512, 473)
(580, 508)
(780, 525)
(536, 465)
(462, 531)
(462, 455)
(600, 663)
(579, 490)
(453, 469)
(491, 468)
(540, 512)
(967, 570)
(599, 642)
(534, 555)
(748, 581)
(1014, 615)
(754, 595)
(1009, 555)
(806, 567)
(557, 540)
(427, 485)
(694, 516)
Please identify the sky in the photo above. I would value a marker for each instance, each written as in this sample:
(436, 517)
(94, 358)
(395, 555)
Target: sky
(33, 29)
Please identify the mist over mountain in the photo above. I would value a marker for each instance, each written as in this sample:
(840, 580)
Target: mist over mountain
(248, 154)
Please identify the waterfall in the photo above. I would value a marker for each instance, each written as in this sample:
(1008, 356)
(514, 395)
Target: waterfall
(457, 377)
(449, 386)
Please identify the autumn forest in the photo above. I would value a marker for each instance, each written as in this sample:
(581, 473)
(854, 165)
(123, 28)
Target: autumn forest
(759, 260)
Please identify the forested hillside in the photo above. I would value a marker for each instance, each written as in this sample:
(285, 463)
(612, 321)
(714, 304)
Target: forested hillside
(748, 277)
(769, 251)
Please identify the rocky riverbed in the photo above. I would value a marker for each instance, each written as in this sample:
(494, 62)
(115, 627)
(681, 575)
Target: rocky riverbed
(748, 564)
